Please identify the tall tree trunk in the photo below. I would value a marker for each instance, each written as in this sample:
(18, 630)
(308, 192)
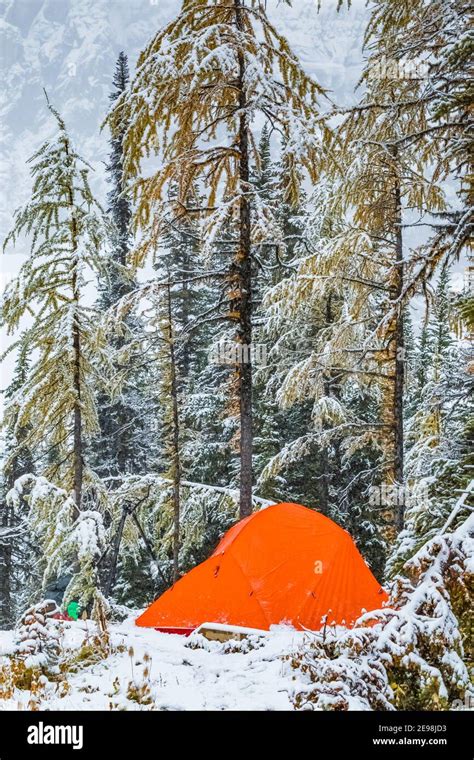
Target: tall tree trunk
(244, 274)
(175, 454)
(328, 384)
(78, 455)
(113, 565)
(6, 613)
(76, 343)
(399, 379)
(394, 403)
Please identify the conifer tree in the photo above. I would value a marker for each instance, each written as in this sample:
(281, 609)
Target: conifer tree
(55, 405)
(120, 447)
(169, 397)
(16, 556)
(438, 431)
(119, 202)
(326, 450)
(161, 339)
(384, 184)
(209, 70)
(432, 40)
(397, 134)
(384, 180)
(267, 435)
(197, 314)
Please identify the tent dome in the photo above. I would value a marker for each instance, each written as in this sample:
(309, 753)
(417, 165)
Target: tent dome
(283, 564)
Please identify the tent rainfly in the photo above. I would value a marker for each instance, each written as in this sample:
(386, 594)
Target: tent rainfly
(284, 564)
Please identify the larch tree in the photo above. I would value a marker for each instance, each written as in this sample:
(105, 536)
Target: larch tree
(432, 40)
(409, 132)
(66, 230)
(385, 185)
(198, 87)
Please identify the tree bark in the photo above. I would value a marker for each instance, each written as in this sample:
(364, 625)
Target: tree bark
(78, 454)
(6, 616)
(175, 454)
(395, 505)
(394, 350)
(244, 275)
(76, 341)
(399, 378)
(113, 566)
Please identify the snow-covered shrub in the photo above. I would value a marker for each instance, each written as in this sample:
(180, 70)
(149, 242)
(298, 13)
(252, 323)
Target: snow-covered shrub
(71, 542)
(34, 659)
(423, 639)
(231, 646)
(39, 636)
(411, 654)
(342, 673)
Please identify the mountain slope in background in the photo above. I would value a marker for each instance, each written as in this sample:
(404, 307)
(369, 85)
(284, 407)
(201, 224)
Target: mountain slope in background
(70, 47)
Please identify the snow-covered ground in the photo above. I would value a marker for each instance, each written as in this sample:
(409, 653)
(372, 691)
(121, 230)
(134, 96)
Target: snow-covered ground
(181, 678)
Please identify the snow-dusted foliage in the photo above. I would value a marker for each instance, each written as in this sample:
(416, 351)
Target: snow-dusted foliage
(71, 541)
(340, 674)
(66, 231)
(38, 636)
(437, 430)
(412, 653)
(271, 304)
(213, 65)
(436, 37)
(138, 513)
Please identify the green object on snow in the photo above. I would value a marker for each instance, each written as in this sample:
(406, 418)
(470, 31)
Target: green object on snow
(73, 610)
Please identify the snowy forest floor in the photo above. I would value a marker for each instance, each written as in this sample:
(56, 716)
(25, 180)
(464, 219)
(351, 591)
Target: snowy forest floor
(180, 677)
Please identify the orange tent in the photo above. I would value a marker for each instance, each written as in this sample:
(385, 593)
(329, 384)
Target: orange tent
(283, 564)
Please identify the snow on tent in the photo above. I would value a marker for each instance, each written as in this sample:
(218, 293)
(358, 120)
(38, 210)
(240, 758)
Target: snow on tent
(283, 564)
